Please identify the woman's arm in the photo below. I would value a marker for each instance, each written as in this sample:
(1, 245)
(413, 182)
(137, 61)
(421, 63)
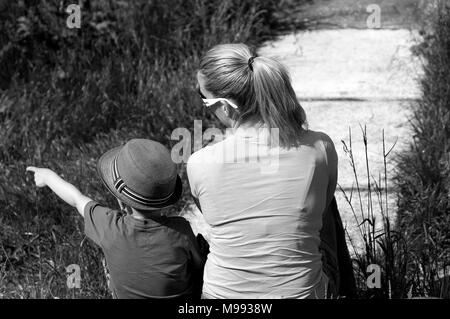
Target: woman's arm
(66, 191)
(332, 163)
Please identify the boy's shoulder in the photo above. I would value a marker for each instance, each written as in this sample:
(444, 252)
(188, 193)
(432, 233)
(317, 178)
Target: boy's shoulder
(100, 221)
(103, 213)
(175, 230)
(94, 205)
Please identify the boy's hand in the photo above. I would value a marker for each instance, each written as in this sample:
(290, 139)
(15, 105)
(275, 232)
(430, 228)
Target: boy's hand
(40, 175)
(66, 191)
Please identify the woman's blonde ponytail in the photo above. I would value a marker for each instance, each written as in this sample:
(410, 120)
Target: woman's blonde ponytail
(276, 100)
(261, 87)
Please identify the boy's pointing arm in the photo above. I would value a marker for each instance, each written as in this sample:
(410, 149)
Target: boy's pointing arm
(66, 191)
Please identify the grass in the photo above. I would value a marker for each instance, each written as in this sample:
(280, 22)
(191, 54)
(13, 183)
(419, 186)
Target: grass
(406, 271)
(382, 244)
(413, 251)
(424, 170)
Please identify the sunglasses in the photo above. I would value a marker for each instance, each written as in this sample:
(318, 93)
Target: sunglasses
(210, 102)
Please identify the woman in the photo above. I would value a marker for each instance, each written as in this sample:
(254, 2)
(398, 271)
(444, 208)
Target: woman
(262, 189)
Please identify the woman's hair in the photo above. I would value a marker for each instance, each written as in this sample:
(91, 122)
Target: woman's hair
(262, 89)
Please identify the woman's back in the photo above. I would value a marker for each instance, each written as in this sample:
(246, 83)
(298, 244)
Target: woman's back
(265, 212)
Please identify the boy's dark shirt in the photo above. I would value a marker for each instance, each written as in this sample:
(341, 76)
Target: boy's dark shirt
(152, 258)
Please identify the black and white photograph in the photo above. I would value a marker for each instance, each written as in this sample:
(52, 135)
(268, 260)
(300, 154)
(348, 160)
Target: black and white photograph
(225, 154)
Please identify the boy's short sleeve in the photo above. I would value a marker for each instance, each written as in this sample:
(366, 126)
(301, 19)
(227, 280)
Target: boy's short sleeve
(97, 220)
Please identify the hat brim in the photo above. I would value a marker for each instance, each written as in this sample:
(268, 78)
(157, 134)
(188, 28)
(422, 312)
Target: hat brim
(104, 165)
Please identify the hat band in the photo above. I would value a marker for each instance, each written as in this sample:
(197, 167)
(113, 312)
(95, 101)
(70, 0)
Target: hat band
(122, 188)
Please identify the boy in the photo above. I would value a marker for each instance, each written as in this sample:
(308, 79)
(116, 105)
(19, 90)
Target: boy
(148, 254)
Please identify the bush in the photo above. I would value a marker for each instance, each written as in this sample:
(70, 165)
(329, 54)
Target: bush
(423, 174)
(68, 95)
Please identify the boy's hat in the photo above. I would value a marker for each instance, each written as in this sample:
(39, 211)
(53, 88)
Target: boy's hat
(141, 174)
